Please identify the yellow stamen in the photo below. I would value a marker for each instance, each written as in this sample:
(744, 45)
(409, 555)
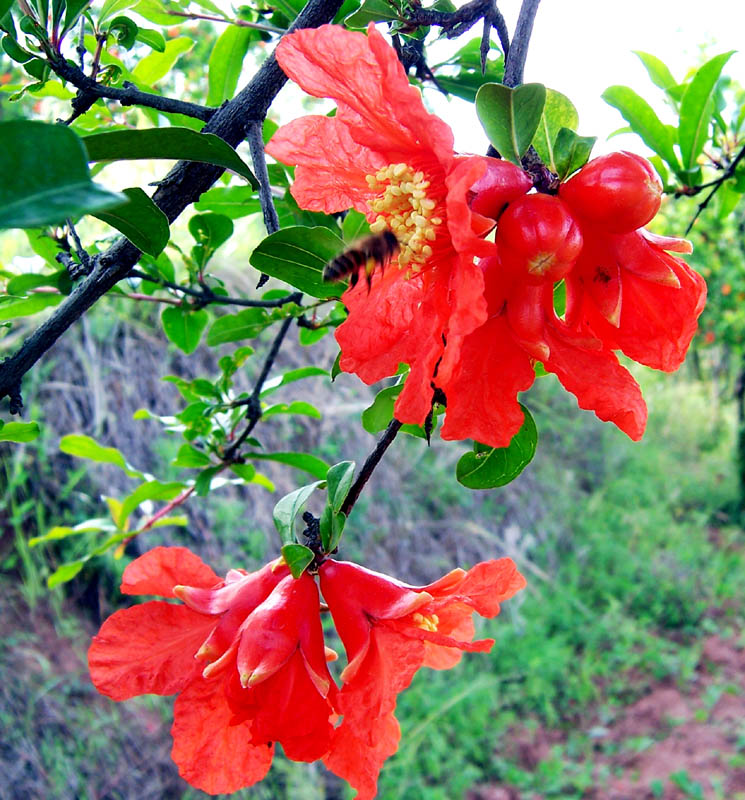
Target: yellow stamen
(426, 622)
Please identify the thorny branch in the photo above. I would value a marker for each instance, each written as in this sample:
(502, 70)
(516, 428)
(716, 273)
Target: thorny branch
(89, 90)
(181, 187)
(715, 184)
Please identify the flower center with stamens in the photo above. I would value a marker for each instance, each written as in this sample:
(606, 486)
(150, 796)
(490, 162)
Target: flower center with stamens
(426, 622)
(404, 207)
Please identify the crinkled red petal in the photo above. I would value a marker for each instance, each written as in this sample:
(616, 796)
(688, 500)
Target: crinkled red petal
(331, 166)
(599, 383)
(482, 391)
(147, 649)
(162, 568)
(490, 583)
(210, 752)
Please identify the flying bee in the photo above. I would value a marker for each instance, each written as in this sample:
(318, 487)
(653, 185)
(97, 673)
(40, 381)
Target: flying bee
(367, 253)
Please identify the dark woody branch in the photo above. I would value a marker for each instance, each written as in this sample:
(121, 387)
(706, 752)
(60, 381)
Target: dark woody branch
(182, 186)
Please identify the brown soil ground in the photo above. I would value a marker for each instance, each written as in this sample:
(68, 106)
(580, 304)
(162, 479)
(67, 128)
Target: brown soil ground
(698, 731)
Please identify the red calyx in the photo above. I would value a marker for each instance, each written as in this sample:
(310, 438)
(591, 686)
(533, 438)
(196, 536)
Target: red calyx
(502, 183)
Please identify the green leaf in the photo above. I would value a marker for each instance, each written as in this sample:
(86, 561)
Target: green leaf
(315, 466)
(489, 467)
(657, 70)
(559, 112)
(171, 143)
(289, 507)
(338, 482)
(372, 11)
(643, 121)
(298, 558)
(203, 483)
(183, 327)
(82, 446)
(189, 457)
(696, 109)
(152, 490)
(111, 7)
(140, 220)
(32, 280)
(290, 377)
(233, 327)
(571, 152)
(125, 31)
(297, 255)
(65, 573)
(15, 51)
(297, 407)
(157, 11)
(461, 74)
(245, 472)
(37, 191)
(62, 531)
(230, 201)
(19, 431)
(375, 418)
(331, 528)
(12, 307)
(157, 65)
(209, 232)
(355, 225)
(510, 117)
(226, 63)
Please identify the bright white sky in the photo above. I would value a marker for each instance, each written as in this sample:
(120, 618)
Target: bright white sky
(580, 47)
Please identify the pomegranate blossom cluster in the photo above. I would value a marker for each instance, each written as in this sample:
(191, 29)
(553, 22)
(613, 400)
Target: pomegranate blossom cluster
(247, 657)
(471, 317)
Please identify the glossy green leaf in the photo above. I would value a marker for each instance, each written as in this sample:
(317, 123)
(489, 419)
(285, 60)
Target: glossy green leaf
(171, 143)
(21, 284)
(209, 231)
(125, 30)
(82, 446)
(19, 431)
(111, 7)
(375, 417)
(559, 112)
(183, 327)
(339, 480)
(510, 117)
(15, 51)
(153, 39)
(140, 220)
(297, 255)
(245, 324)
(355, 225)
(298, 558)
(244, 471)
(38, 191)
(571, 152)
(189, 457)
(299, 407)
(12, 307)
(372, 11)
(643, 121)
(331, 527)
(288, 508)
(65, 573)
(290, 377)
(5, 7)
(155, 66)
(657, 70)
(151, 490)
(230, 201)
(461, 74)
(306, 462)
(203, 483)
(226, 63)
(696, 109)
(489, 467)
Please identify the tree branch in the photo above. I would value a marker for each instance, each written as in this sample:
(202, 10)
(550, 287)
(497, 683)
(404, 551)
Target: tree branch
(454, 23)
(181, 187)
(368, 467)
(90, 90)
(514, 63)
(728, 173)
(240, 23)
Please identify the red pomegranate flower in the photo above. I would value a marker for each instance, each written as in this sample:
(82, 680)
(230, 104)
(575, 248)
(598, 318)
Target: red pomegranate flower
(246, 656)
(390, 630)
(386, 156)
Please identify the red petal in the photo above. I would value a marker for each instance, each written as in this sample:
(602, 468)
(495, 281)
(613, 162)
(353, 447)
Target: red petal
(599, 383)
(490, 583)
(162, 568)
(482, 392)
(671, 243)
(600, 273)
(147, 649)
(649, 263)
(212, 754)
(331, 170)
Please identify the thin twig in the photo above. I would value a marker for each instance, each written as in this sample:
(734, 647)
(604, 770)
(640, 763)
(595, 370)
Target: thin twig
(239, 23)
(515, 60)
(453, 23)
(253, 410)
(728, 173)
(368, 467)
(89, 90)
(271, 220)
(177, 501)
(502, 32)
(206, 296)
